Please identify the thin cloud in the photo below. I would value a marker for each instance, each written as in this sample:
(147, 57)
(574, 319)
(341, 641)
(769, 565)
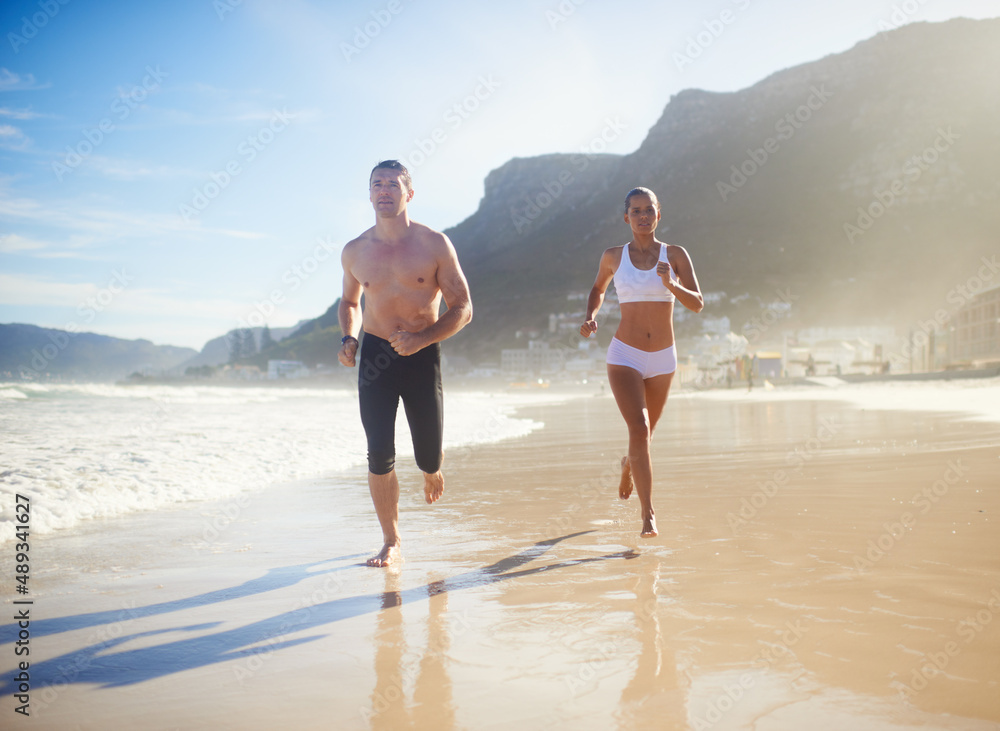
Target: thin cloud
(11, 138)
(125, 169)
(21, 115)
(109, 224)
(77, 248)
(9, 81)
(161, 117)
(14, 243)
(27, 289)
(221, 94)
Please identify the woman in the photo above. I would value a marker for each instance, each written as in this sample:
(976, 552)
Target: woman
(649, 277)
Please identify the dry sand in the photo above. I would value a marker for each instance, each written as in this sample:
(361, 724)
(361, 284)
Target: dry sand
(819, 566)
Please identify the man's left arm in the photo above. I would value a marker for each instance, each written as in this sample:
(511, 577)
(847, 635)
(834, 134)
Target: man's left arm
(455, 291)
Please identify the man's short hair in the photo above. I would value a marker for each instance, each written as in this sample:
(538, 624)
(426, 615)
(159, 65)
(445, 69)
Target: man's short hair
(396, 166)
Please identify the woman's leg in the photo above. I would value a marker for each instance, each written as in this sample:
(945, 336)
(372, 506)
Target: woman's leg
(630, 394)
(657, 390)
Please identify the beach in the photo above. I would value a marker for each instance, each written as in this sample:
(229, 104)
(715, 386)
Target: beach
(824, 561)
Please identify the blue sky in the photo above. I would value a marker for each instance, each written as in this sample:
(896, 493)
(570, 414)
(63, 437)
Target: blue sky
(170, 171)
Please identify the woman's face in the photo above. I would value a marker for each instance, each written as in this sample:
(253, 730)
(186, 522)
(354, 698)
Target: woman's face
(642, 214)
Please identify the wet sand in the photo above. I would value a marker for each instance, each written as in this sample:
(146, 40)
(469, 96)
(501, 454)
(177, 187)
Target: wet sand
(818, 566)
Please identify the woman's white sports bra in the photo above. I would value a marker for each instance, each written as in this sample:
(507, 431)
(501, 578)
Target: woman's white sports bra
(641, 285)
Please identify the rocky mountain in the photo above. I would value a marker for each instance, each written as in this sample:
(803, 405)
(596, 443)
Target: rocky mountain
(862, 185)
(34, 353)
(314, 342)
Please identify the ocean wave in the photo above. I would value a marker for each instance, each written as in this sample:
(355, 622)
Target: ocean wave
(84, 451)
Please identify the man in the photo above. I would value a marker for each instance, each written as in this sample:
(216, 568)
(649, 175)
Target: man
(403, 268)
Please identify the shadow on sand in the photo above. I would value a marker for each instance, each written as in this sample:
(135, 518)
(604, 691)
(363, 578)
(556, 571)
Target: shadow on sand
(103, 664)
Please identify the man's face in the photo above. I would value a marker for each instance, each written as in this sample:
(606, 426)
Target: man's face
(388, 193)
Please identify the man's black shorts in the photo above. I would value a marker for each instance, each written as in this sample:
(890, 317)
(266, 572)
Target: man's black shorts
(385, 377)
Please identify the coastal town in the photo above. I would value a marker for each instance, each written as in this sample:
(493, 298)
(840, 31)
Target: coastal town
(767, 349)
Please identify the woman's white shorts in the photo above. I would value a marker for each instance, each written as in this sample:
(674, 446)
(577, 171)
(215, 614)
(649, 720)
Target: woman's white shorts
(648, 364)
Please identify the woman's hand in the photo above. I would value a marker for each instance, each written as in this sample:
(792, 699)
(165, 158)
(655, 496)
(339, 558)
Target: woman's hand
(588, 328)
(666, 273)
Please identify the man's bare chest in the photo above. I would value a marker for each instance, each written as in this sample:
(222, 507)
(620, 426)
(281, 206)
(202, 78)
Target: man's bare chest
(391, 270)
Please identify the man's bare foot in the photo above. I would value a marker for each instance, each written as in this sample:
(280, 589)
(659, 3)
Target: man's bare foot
(626, 484)
(388, 555)
(433, 486)
(648, 527)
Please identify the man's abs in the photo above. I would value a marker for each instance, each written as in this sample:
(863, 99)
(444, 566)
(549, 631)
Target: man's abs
(400, 314)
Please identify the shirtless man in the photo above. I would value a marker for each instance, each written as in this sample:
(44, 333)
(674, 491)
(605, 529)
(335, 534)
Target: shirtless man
(403, 268)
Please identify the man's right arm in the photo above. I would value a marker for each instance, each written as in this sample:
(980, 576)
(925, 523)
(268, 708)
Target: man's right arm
(349, 311)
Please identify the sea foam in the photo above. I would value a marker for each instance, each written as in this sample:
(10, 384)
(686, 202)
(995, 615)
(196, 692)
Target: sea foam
(95, 450)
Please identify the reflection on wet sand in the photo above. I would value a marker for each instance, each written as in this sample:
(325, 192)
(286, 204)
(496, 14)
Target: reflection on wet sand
(433, 703)
(653, 697)
(396, 670)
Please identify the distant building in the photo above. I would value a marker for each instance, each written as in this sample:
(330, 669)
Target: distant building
(455, 364)
(976, 338)
(286, 369)
(565, 322)
(713, 356)
(485, 370)
(240, 373)
(588, 359)
(832, 357)
(838, 350)
(537, 358)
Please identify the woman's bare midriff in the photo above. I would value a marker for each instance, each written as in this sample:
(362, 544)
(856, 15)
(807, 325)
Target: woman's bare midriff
(647, 326)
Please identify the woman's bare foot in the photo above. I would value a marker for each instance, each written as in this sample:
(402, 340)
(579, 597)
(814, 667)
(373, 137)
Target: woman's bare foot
(389, 554)
(626, 484)
(648, 527)
(433, 486)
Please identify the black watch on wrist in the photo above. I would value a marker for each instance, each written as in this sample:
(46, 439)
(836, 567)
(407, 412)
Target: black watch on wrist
(346, 338)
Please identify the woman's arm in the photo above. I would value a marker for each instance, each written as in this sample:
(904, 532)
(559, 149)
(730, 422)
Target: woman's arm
(605, 273)
(685, 288)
